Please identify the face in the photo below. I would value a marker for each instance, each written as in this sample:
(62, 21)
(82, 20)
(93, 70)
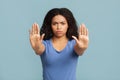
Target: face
(59, 26)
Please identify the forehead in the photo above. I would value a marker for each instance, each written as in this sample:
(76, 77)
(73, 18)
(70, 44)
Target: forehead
(59, 18)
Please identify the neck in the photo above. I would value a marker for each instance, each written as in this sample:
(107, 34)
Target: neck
(59, 39)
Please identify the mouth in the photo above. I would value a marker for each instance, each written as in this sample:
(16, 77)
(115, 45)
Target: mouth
(59, 31)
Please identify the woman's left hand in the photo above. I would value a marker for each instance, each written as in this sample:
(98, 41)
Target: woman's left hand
(83, 38)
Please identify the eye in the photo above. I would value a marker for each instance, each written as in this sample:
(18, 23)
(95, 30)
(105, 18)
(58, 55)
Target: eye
(54, 23)
(63, 23)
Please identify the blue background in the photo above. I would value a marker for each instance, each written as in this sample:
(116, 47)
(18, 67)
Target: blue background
(101, 61)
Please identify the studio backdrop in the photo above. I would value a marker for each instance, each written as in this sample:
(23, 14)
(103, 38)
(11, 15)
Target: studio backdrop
(101, 61)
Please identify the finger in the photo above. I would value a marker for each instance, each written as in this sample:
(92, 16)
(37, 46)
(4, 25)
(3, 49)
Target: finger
(33, 28)
(37, 29)
(42, 37)
(75, 38)
(80, 30)
(83, 29)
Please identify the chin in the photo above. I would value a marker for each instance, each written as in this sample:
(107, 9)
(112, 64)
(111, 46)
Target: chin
(59, 36)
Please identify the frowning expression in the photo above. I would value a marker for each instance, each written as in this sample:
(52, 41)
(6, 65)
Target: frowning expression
(59, 26)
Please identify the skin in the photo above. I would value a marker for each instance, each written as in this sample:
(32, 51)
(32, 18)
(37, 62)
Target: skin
(59, 39)
(36, 39)
(82, 41)
(59, 28)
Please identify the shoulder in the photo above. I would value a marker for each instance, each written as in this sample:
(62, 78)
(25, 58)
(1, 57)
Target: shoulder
(47, 45)
(46, 42)
(72, 42)
(71, 46)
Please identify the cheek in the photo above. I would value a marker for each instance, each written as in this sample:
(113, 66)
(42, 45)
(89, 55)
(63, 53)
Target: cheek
(66, 28)
(53, 28)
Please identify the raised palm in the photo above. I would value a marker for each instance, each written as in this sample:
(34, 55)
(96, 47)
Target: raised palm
(35, 37)
(83, 38)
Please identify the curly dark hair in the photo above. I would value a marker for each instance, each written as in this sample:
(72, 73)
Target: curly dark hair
(72, 26)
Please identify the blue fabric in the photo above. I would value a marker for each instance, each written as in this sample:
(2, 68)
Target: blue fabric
(59, 65)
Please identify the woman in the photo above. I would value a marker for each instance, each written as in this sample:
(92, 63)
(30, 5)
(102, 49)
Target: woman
(60, 44)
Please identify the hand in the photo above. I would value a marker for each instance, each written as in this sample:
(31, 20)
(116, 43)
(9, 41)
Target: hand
(83, 39)
(35, 38)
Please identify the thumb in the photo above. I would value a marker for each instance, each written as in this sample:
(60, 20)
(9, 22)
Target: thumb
(42, 37)
(75, 39)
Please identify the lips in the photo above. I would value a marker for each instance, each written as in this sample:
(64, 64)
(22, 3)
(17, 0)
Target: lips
(58, 31)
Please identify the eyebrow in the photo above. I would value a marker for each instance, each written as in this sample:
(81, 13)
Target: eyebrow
(60, 22)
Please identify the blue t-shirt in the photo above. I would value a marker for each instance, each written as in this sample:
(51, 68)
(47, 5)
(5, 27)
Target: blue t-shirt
(59, 65)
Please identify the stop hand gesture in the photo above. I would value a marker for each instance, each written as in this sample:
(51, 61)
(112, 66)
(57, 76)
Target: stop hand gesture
(82, 41)
(36, 39)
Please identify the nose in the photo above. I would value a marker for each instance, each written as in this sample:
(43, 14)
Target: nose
(58, 26)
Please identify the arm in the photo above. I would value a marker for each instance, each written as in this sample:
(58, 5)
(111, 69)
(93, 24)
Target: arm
(36, 39)
(82, 41)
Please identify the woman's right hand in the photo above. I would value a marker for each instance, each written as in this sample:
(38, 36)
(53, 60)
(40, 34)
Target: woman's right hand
(36, 39)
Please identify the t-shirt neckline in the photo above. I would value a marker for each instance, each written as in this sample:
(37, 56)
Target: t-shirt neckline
(57, 50)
